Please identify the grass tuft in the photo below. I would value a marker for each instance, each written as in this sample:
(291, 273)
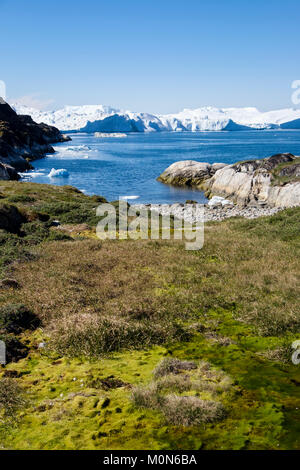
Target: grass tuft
(171, 376)
(173, 366)
(10, 396)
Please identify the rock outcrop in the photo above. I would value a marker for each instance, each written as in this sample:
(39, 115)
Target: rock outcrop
(273, 181)
(22, 140)
(189, 173)
(7, 172)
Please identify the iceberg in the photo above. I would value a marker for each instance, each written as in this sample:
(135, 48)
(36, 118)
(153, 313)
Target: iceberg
(60, 173)
(104, 135)
(100, 118)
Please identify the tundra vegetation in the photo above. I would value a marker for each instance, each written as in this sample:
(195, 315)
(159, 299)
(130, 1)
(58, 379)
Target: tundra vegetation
(124, 344)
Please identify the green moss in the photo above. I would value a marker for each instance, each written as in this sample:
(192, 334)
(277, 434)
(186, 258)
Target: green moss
(66, 412)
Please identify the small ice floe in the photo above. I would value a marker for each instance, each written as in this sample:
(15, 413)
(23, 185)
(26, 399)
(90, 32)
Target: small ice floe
(217, 200)
(125, 198)
(81, 148)
(60, 173)
(37, 174)
(31, 174)
(115, 135)
(72, 151)
(73, 148)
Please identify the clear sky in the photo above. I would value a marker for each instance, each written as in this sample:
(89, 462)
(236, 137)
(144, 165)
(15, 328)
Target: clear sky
(155, 56)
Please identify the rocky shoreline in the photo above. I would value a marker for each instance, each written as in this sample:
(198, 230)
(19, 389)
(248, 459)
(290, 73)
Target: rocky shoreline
(273, 181)
(22, 141)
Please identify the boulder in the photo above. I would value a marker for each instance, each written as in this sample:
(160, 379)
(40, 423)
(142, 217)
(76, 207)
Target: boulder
(189, 173)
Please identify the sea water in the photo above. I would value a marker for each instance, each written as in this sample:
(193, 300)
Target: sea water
(128, 167)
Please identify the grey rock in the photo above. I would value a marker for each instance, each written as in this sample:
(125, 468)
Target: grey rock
(249, 183)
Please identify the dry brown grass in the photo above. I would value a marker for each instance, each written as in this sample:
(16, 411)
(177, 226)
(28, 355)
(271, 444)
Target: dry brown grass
(173, 375)
(171, 365)
(191, 411)
(95, 297)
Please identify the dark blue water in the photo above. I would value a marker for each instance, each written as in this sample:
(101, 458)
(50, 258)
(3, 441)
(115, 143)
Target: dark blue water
(129, 166)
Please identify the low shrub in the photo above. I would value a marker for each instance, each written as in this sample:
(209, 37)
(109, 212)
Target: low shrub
(16, 317)
(20, 198)
(59, 236)
(72, 212)
(35, 231)
(13, 248)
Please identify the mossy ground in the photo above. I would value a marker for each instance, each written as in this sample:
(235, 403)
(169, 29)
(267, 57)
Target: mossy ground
(65, 411)
(280, 180)
(236, 300)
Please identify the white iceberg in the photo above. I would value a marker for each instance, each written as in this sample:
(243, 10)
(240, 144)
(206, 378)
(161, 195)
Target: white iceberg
(99, 118)
(32, 174)
(60, 173)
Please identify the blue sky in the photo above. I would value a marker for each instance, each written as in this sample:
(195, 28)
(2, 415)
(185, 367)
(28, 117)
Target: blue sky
(157, 56)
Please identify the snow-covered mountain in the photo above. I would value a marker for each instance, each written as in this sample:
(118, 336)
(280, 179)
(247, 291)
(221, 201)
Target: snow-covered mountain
(70, 117)
(99, 118)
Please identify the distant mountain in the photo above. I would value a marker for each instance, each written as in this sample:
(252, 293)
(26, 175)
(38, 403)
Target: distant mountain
(99, 118)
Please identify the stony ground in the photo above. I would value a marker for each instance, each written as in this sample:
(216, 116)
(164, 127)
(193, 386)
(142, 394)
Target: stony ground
(211, 213)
